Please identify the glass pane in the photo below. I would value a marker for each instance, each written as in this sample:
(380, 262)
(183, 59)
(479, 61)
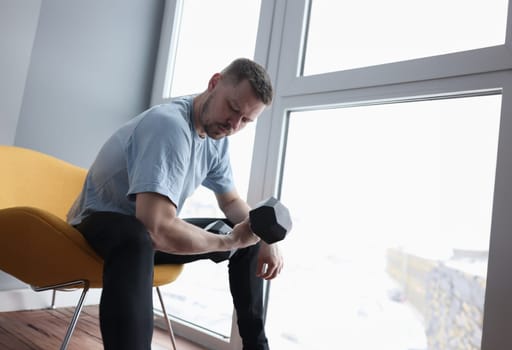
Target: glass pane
(201, 295)
(361, 33)
(211, 35)
(392, 210)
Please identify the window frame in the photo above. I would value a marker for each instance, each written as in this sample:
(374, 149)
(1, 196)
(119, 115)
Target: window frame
(489, 59)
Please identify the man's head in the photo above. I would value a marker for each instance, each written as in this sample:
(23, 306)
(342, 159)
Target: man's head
(234, 98)
(245, 69)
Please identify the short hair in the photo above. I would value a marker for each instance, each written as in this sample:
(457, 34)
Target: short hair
(244, 68)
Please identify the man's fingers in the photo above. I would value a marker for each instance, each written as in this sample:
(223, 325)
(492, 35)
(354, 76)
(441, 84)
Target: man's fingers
(269, 272)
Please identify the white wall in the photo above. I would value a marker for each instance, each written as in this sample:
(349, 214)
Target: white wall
(18, 23)
(91, 69)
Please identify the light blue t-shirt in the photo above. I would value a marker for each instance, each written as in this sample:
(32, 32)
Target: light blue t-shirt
(157, 151)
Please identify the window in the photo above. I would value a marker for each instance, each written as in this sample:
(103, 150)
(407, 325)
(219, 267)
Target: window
(394, 240)
(211, 35)
(350, 34)
(389, 136)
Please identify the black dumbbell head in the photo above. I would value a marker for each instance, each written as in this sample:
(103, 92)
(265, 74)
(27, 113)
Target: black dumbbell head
(270, 220)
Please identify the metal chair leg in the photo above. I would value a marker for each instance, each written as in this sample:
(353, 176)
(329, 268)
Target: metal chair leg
(78, 307)
(166, 316)
(54, 297)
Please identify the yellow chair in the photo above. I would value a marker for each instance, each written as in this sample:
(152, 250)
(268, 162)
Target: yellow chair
(37, 245)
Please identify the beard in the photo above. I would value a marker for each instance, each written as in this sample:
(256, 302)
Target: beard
(213, 130)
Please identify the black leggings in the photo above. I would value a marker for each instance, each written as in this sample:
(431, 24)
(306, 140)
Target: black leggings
(126, 305)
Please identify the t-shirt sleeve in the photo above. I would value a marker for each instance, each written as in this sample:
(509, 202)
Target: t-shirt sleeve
(158, 154)
(220, 176)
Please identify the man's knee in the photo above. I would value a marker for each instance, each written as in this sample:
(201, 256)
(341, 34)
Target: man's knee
(132, 232)
(108, 231)
(247, 255)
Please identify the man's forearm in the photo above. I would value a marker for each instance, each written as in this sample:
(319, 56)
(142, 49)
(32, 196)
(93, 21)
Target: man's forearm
(173, 235)
(236, 210)
(179, 237)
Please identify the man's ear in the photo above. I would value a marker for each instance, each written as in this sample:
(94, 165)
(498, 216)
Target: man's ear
(213, 81)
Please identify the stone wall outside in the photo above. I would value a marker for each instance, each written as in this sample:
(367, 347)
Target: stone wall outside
(448, 295)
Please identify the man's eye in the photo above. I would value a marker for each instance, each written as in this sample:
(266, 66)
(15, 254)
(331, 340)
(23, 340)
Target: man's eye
(232, 107)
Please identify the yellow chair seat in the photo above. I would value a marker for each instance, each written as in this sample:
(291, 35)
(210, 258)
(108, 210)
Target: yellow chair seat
(41, 249)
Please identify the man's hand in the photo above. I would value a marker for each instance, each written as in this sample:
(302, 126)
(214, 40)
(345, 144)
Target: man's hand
(270, 261)
(242, 235)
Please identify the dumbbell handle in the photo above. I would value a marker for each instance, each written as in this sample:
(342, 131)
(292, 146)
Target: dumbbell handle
(219, 227)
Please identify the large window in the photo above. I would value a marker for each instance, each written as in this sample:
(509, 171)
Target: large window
(389, 139)
(394, 240)
(358, 33)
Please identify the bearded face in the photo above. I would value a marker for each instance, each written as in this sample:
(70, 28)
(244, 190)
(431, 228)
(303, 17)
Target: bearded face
(211, 126)
(227, 109)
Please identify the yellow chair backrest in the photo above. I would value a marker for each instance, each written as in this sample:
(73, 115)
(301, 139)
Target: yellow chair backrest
(31, 178)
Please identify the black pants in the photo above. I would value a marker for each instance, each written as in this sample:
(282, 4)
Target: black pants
(126, 306)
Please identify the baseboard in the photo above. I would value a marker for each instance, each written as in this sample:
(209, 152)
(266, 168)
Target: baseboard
(27, 299)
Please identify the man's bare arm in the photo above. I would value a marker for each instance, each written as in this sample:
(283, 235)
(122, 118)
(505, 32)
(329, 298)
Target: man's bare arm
(173, 235)
(234, 207)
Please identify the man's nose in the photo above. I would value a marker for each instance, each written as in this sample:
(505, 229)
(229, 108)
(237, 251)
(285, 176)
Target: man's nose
(236, 120)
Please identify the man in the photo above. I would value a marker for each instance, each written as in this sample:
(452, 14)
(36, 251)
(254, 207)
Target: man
(128, 209)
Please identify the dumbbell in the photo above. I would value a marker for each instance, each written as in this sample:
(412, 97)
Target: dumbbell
(221, 228)
(270, 220)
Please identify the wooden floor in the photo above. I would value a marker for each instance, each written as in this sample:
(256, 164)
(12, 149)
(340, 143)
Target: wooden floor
(45, 329)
